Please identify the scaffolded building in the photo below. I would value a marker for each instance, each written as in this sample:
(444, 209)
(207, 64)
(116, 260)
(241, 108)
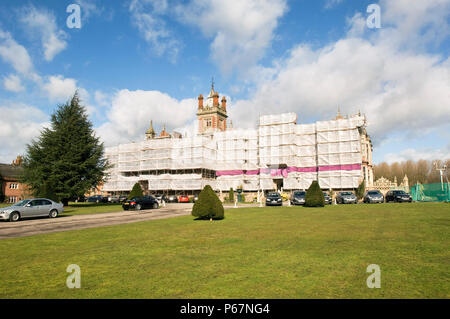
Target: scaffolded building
(279, 155)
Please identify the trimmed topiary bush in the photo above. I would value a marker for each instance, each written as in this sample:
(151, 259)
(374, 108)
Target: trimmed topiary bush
(361, 190)
(231, 195)
(208, 205)
(314, 196)
(136, 191)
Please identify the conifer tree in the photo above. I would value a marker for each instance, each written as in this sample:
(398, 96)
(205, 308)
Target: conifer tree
(67, 159)
(314, 196)
(136, 191)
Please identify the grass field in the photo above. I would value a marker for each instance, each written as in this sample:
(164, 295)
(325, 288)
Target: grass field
(276, 252)
(91, 208)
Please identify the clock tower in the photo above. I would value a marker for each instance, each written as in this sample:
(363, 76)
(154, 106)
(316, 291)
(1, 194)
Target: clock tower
(212, 115)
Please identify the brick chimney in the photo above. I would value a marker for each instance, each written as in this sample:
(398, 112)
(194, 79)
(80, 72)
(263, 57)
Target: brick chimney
(216, 99)
(224, 103)
(200, 102)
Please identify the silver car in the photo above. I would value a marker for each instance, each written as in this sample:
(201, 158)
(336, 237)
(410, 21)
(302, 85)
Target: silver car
(31, 208)
(346, 198)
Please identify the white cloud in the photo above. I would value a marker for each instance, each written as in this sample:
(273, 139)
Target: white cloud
(102, 99)
(241, 30)
(43, 23)
(15, 54)
(131, 111)
(146, 15)
(332, 3)
(399, 89)
(13, 83)
(21, 124)
(415, 154)
(59, 88)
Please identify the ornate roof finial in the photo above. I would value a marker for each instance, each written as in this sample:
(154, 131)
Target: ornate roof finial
(339, 116)
(212, 84)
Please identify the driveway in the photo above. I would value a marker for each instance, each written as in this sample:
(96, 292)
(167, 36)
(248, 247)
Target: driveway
(29, 227)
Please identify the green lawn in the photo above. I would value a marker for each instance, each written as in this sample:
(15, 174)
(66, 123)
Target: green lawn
(276, 252)
(91, 208)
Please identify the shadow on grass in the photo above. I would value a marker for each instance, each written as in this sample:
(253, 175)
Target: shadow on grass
(207, 218)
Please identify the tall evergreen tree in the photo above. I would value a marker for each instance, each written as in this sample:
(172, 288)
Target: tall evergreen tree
(67, 159)
(2, 196)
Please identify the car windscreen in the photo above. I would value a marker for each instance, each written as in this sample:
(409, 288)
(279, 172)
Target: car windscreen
(373, 193)
(346, 193)
(22, 202)
(273, 195)
(299, 193)
(400, 192)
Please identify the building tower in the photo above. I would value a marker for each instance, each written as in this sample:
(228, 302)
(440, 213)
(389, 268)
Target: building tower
(212, 116)
(150, 133)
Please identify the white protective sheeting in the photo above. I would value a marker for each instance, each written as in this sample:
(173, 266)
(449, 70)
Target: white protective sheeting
(278, 141)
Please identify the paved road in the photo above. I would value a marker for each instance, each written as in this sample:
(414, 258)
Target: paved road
(29, 227)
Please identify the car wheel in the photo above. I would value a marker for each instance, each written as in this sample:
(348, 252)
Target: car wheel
(53, 213)
(138, 207)
(155, 205)
(14, 217)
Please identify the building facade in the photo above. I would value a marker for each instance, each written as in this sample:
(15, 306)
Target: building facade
(11, 187)
(279, 154)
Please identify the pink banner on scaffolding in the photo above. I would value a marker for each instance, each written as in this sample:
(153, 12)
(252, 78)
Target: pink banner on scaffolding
(223, 173)
(285, 171)
(348, 167)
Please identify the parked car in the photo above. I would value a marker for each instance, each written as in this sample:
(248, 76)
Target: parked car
(195, 198)
(172, 199)
(31, 208)
(183, 199)
(274, 199)
(114, 199)
(160, 197)
(123, 198)
(398, 196)
(139, 203)
(97, 199)
(373, 196)
(327, 198)
(346, 198)
(298, 198)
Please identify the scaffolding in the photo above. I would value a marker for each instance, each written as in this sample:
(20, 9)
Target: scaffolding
(279, 152)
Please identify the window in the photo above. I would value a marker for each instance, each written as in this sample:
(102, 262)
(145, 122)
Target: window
(12, 199)
(208, 123)
(13, 186)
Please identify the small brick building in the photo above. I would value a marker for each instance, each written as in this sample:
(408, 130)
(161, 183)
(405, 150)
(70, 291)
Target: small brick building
(12, 189)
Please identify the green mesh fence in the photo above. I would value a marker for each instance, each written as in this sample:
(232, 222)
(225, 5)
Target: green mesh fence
(430, 192)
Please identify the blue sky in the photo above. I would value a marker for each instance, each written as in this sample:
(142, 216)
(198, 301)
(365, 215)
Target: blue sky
(152, 58)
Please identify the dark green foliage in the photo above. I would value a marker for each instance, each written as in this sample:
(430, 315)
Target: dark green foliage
(136, 191)
(231, 195)
(67, 159)
(46, 191)
(314, 196)
(361, 190)
(2, 196)
(208, 205)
